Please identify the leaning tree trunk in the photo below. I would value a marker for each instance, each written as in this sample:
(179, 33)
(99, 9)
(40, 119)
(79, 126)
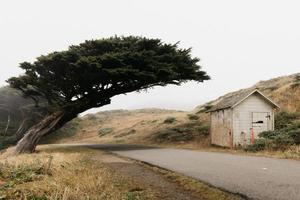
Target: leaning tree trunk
(31, 138)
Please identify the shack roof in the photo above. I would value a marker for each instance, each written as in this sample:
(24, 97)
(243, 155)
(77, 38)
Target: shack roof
(235, 98)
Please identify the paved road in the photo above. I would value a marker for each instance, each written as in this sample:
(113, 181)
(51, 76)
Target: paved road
(256, 177)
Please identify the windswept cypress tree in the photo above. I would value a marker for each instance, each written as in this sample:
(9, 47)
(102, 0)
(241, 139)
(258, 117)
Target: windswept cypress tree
(88, 75)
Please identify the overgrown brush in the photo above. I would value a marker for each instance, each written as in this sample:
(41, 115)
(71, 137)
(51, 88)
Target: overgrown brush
(105, 131)
(182, 132)
(296, 82)
(71, 176)
(170, 120)
(285, 135)
(193, 117)
(284, 119)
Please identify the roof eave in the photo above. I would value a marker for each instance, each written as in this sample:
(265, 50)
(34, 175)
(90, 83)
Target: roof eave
(215, 110)
(254, 91)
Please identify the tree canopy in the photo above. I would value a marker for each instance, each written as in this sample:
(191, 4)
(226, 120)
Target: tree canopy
(89, 74)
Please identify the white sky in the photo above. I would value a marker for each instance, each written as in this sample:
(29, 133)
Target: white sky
(239, 42)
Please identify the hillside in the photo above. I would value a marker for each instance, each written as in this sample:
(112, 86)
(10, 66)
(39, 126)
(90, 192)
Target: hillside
(147, 126)
(285, 91)
(167, 127)
(155, 126)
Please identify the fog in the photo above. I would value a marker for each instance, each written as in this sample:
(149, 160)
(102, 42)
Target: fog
(238, 42)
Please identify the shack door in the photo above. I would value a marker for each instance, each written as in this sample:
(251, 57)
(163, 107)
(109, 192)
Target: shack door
(260, 122)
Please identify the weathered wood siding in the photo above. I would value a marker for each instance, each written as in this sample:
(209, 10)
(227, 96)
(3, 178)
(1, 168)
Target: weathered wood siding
(221, 127)
(242, 118)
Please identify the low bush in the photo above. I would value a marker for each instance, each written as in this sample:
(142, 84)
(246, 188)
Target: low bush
(170, 120)
(193, 117)
(284, 119)
(105, 131)
(272, 88)
(13, 175)
(182, 133)
(259, 145)
(280, 139)
(205, 108)
(203, 129)
(68, 130)
(296, 82)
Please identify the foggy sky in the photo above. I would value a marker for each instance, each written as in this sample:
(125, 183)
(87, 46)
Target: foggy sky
(239, 42)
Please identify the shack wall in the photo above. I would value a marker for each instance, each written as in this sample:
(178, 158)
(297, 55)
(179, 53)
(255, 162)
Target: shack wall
(242, 118)
(221, 128)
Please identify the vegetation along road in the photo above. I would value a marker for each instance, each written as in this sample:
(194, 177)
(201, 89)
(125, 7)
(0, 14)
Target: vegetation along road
(255, 177)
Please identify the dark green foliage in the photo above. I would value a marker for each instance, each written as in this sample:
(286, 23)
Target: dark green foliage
(272, 88)
(208, 107)
(182, 133)
(205, 108)
(125, 133)
(89, 74)
(68, 130)
(277, 140)
(296, 82)
(259, 145)
(193, 117)
(203, 129)
(170, 120)
(286, 133)
(284, 119)
(20, 174)
(131, 196)
(105, 131)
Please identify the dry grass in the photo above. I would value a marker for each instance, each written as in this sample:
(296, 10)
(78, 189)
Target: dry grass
(146, 126)
(68, 173)
(69, 176)
(285, 91)
(141, 127)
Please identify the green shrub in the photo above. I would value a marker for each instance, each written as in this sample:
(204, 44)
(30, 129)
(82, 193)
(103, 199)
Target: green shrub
(296, 82)
(272, 88)
(68, 130)
(131, 196)
(105, 131)
(203, 129)
(297, 78)
(277, 140)
(259, 145)
(205, 108)
(193, 117)
(20, 174)
(284, 119)
(170, 120)
(182, 133)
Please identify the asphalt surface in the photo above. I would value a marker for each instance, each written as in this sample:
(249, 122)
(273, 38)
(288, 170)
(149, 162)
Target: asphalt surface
(256, 177)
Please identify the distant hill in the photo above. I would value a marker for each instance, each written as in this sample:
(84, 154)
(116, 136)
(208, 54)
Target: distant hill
(148, 126)
(285, 91)
(168, 127)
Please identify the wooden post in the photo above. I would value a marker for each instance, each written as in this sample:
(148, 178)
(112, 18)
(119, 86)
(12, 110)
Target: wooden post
(252, 136)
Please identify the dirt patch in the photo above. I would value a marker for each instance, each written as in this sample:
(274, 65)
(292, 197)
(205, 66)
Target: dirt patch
(165, 184)
(108, 158)
(162, 188)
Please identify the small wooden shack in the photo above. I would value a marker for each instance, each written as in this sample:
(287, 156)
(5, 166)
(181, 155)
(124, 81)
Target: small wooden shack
(238, 118)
